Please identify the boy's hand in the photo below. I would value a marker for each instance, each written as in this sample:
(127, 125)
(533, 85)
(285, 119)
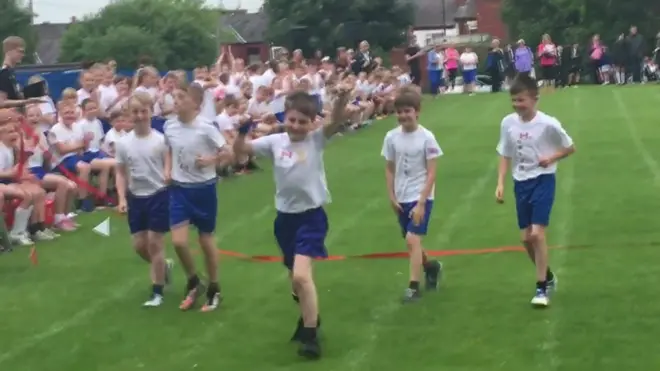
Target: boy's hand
(546, 161)
(122, 208)
(418, 212)
(499, 194)
(204, 161)
(167, 174)
(396, 206)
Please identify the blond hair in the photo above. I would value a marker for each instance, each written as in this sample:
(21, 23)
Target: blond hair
(12, 43)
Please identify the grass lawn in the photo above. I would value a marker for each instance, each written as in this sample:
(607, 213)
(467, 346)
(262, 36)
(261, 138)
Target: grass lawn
(80, 308)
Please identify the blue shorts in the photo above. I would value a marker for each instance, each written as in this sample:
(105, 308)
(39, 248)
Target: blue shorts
(469, 76)
(90, 156)
(301, 234)
(6, 181)
(406, 221)
(196, 204)
(38, 172)
(149, 213)
(534, 199)
(70, 163)
(280, 117)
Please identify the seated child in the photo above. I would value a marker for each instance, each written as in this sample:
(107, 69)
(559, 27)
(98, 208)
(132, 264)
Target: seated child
(120, 127)
(98, 161)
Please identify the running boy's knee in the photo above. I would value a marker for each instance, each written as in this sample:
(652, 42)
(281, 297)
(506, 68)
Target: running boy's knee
(300, 278)
(412, 241)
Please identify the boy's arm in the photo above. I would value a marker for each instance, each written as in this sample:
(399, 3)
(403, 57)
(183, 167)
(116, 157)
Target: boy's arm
(167, 162)
(390, 168)
(502, 169)
(337, 118)
(120, 176)
(505, 151)
(563, 141)
(433, 151)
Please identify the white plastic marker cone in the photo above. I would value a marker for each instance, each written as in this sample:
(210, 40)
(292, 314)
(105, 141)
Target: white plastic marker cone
(104, 228)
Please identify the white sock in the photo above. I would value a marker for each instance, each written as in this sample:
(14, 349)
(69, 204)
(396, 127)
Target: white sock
(59, 218)
(21, 220)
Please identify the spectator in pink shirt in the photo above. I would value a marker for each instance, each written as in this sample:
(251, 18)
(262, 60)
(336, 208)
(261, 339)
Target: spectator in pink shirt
(451, 65)
(547, 54)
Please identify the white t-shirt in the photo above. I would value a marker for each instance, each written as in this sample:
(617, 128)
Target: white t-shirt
(258, 109)
(226, 122)
(110, 140)
(208, 103)
(95, 127)
(6, 157)
(107, 95)
(257, 82)
(527, 142)
(187, 142)
(409, 151)
(61, 133)
(36, 159)
(82, 95)
(48, 106)
(469, 61)
(300, 182)
(268, 77)
(144, 159)
(278, 102)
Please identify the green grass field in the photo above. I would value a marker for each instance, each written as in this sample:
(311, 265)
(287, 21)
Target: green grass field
(80, 308)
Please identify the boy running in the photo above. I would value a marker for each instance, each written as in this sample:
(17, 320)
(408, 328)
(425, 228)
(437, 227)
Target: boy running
(196, 148)
(144, 163)
(411, 154)
(531, 143)
(301, 224)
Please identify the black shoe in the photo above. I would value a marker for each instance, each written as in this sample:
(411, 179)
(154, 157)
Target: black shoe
(433, 274)
(297, 335)
(310, 349)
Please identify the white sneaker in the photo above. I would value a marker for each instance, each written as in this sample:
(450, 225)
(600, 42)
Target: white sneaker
(21, 239)
(51, 233)
(43, 236)
(541, 299)
(155, 301)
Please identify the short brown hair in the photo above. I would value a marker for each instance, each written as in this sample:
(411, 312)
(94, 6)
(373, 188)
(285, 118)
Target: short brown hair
(407, 97)
(302, 102)
(12, 43)
(524, 83)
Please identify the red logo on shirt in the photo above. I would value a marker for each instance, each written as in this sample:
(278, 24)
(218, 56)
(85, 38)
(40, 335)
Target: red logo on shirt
(524, 136)
(433, 151)
(286, 153)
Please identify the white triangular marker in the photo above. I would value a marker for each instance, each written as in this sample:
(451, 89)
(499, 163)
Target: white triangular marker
(104, 228)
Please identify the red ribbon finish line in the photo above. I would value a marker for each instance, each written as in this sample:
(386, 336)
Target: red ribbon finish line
(387, 255)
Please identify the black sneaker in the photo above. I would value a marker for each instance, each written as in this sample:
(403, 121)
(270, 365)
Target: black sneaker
(433, 274)
(297, 334)
(411, 296)
(310, 349)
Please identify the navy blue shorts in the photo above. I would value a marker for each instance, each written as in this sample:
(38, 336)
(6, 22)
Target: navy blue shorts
(39, 172)
(196, 204)
(301, 234)
(149, 213)
(534, 199)
(70, 164)
(90, 156)
(469, 76)
(406, 221)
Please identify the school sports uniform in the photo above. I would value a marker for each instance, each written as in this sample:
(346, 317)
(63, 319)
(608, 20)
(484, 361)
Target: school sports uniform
(61, 133)
(193, 196)
(147, 197)
(409, 151)
(525, 143)
(93, 151)
(35, 163)
(301, 224)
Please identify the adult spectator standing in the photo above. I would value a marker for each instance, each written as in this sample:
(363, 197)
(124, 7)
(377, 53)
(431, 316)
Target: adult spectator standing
(636, 47)
(524, 58)
(413, 52)
(11, 94)
(495, 65)
(620, 54)
(363, 61)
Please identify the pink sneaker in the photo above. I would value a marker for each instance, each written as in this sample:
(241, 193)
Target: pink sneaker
(66, 225)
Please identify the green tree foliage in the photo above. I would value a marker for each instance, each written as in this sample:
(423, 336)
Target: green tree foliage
(172, 33)
(16, 20)
(382, 22)
(575, 21)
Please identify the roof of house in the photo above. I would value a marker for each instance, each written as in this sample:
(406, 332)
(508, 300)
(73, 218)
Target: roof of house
(50, 37)
(247, 27)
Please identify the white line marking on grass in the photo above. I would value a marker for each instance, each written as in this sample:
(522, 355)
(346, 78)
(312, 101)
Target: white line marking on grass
(650, 162)
(90, 311)
(557, 263)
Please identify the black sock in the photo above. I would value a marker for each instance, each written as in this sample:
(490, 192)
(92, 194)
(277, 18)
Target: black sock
(193, 282)
(213, 289)
(41, 226)
(33, 228)
(543, 285)
(158, 289)
(549, 276)
(308, 334)
(414, 285)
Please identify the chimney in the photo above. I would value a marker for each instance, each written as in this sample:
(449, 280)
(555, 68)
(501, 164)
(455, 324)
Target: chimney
(74, 19)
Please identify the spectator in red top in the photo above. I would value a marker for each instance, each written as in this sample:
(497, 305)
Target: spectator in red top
(547, 54)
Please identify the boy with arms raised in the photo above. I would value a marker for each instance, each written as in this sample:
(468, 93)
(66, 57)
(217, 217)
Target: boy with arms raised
(411, 154)
(195, 145)
(143, 165)
(531, 143)
(301, 224)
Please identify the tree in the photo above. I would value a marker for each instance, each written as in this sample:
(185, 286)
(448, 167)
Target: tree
(575, 21)
(15, 20)
(328, 24)
(172, 33)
